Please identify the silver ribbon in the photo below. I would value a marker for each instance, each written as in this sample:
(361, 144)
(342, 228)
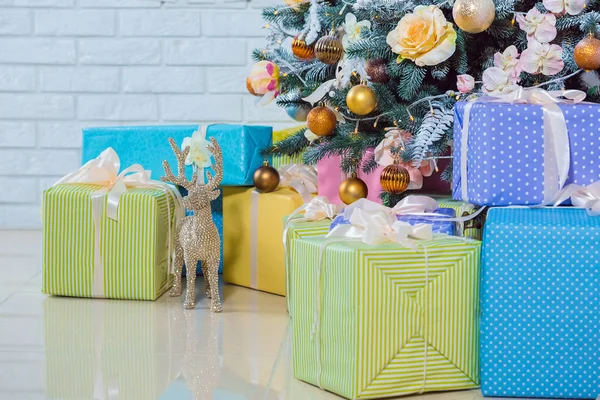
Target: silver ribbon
(556, 138)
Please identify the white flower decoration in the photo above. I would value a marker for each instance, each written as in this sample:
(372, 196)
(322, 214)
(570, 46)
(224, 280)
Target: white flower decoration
(542, 58)
(199, 155)
(496, 82)
(508, 61)
(571, 7)
(311, 137)
(539, 27)
(353, 28)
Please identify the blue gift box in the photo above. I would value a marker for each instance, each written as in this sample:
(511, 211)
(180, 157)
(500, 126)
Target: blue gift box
(447, 227)
(505, 151)
(149, 146)
(540, 296)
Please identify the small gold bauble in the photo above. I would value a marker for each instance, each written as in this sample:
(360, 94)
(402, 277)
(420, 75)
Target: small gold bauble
(587, 54)
(250, 88)
(266, 179)
(301, 50)
(321, 121)
(329, 49)
(474, 16)
(361, 100)
(353, 189)
(394, 179)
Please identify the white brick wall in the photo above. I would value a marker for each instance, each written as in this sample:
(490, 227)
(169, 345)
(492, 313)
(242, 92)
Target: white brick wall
(68, 64)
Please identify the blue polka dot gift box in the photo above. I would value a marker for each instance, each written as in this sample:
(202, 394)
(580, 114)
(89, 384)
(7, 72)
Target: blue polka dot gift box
(509, 159)
(447, 227)
(149, 146)
(540, 327)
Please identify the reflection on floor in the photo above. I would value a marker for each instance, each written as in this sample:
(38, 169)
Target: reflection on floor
(68, 348)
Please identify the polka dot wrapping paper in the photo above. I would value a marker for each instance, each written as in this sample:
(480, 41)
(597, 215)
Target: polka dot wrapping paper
(505, 156)
(540, 294)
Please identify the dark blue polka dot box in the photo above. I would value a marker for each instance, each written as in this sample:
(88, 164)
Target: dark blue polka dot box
(540, 294)
(518, 154)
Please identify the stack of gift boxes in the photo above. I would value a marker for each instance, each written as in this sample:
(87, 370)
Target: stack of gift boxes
(438, 293)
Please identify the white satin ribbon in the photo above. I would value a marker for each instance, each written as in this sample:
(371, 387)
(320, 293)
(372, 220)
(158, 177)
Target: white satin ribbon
(254, 197)
(587, 197)
(556, 137)
(300, 177)
(104, 171)
(382, 152)
(411, 205)
(325, 87)
(317, 209)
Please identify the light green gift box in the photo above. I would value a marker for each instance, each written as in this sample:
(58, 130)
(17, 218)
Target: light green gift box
(133, 249)
(471, 229)
(387, 320)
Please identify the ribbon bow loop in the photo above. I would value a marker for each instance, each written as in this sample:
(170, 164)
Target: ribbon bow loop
(300, 177)
(587, 197)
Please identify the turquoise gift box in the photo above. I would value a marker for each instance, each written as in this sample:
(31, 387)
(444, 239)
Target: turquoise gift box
(149, 146)
(540, 327)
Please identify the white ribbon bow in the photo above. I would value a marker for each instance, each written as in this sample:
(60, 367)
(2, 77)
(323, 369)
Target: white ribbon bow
(556, 138)
(410, 205)
(587, 197)
(300, 177)
(382, 152)
(377, 227)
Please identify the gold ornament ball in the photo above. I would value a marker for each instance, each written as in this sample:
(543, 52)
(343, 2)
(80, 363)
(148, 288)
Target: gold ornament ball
(266, 179)
(587, 54)
(301, 50)
(394, 179)
(329, 49)
(361, 100)
(250, 88)
(321, 121)
(353, 189)
(473, 16)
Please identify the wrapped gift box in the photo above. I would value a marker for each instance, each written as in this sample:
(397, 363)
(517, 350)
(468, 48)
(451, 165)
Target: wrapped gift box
(95, 348)
(253, 232)
(506, 151)
(540, 303)
(134, 248)
(446, 227)
(330, 178)
(281, 160)
(149, 146)
(470, 229)
(386, 320)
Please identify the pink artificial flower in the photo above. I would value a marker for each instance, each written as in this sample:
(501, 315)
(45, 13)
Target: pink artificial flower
(542, 58)
(465, 83)
(539, 27)
(508, 61)
(496, 82)
(416, 174)
(571, 7)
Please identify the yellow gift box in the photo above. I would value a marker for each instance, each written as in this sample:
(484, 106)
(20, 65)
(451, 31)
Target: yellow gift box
(278, 136)
(253, 236)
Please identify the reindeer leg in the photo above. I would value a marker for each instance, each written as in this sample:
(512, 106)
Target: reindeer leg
(190, 293)
(206, 281)
(212, 269)
(176, 289)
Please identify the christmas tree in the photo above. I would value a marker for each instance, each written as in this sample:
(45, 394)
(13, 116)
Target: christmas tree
(368, 67)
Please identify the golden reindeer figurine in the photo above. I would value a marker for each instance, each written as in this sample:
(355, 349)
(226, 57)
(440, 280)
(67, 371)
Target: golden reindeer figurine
(197, 238)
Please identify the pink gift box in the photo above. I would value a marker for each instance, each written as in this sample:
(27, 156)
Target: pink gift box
(330, 177)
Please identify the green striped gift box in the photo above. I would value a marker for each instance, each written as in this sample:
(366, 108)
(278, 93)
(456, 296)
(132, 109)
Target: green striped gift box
(387, 320)
(134, 248)
(471, 229)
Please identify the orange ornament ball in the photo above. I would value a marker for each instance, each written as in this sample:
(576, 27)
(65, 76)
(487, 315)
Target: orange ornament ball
(587, 54)
(321, 121)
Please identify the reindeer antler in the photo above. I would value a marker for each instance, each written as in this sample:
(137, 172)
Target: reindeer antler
(215, 149)
(180, 179)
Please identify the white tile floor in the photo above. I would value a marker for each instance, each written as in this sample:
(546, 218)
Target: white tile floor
(66, 348)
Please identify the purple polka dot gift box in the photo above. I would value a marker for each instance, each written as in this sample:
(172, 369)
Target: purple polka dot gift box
(540, 298)
(508, 157)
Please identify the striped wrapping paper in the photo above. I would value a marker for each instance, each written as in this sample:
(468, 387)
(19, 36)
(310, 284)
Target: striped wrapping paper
(281, 160)
(386, 321)
(134, 248)
(471, 229)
